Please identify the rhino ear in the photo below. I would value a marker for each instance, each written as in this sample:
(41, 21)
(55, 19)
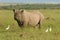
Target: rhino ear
(22, 11)
(13, 10)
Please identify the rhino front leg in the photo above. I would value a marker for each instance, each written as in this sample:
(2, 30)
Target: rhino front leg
(25, 24)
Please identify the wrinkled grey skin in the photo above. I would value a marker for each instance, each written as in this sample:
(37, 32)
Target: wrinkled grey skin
(25, 18)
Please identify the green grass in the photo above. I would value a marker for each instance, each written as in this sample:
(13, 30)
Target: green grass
(30, 33)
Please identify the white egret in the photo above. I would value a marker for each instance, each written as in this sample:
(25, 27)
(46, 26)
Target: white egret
(46, 30)
(8, 28)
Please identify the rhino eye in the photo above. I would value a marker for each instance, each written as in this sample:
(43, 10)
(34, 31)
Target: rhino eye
(15, 13)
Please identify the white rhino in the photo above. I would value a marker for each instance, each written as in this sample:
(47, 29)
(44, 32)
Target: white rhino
(25, 18)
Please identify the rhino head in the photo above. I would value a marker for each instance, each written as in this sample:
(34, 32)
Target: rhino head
(18, 16)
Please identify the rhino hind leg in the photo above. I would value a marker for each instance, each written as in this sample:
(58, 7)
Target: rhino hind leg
(40, 24)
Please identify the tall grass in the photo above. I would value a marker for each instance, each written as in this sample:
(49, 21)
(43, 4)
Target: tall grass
(30, 33)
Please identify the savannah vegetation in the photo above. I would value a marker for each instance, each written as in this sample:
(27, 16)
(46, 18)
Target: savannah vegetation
(30, 33)
(30, 6)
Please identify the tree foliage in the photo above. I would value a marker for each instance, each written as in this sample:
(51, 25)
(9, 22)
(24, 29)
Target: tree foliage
(31, 6)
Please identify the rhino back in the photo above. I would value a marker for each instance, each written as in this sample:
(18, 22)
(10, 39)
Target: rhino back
(34, 18)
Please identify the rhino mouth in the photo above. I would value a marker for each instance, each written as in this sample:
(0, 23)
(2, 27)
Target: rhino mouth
(20, 23)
